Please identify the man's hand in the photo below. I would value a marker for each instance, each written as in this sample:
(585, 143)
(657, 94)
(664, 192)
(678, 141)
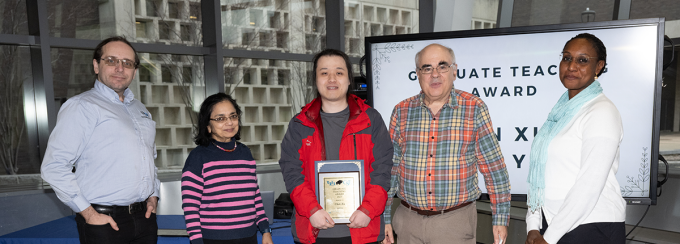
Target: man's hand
(151, 204)
(389, 237)
(321, 220)
(535, 237)
(93, 218)
(358, 220)
(500, 233)
(267, 238)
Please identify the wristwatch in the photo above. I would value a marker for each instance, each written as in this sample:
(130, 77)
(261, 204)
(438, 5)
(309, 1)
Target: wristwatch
(267, 230)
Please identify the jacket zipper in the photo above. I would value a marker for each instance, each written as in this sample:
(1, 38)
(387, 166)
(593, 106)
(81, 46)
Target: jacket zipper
(355, 145)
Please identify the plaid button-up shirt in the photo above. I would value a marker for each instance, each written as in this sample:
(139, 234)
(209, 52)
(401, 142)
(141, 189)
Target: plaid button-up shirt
(436, 156)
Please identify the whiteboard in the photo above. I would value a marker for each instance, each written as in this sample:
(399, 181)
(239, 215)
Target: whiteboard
(515, 71)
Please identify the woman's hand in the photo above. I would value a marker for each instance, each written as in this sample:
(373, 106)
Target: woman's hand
(321, 220)
(267, 238)
(535, 237)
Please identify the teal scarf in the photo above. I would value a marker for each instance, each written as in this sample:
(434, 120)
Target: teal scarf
(559, 117)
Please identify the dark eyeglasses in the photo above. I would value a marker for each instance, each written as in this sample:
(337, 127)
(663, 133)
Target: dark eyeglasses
(111, 61)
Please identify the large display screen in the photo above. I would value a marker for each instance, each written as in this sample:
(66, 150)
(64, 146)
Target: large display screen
(515, 72)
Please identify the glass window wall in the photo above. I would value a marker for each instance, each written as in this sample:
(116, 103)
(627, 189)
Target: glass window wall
(13, 20)
(146, 21)
(274, 25)
(270, 93)
(669, 9)
(484, 14)
(18, 155)
(377, 18)
(540, 12)
(81, 19)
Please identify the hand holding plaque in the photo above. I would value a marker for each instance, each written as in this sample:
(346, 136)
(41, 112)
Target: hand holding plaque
(321, 220)
(340, 187)
(359, 220)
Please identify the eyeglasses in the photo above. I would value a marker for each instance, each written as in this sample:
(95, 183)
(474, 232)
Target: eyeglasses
(232, 118)
(581, 60)
(111, 61)
(442, 68)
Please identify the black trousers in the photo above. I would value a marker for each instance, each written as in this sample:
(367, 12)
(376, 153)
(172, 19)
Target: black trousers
(339, 240)
(132, 228)
(595, 233)
(247, 240)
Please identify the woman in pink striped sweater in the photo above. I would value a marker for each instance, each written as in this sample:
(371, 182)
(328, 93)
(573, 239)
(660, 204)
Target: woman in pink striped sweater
(220, 195)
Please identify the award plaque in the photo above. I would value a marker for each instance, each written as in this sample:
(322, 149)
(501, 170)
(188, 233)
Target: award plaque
(340, 187)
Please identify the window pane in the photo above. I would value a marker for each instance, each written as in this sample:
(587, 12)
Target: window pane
(269, 92)
(366, 18)
(540, 12)
(73, 73)
(173, 10)
(276, 25)
(79, 19)
(669, 9)
(195, 11)
(13, 19)
(148, 21)
(17, 156)
(171, 87)
(484, 14)
(152, 9)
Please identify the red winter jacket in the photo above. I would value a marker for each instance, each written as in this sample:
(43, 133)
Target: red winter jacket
(365, 137)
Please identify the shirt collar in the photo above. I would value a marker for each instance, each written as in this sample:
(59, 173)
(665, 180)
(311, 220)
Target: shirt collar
(109, 93)
(453, 101)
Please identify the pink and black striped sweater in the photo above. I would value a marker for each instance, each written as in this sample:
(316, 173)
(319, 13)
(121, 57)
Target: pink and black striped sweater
(220, 195)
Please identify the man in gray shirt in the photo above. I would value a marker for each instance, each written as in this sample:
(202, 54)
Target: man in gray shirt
(108, 136)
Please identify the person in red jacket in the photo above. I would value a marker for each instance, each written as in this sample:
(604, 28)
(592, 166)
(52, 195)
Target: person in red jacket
(336, 125)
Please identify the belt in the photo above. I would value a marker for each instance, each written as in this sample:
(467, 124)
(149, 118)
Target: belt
(430, 213)
(130, 209)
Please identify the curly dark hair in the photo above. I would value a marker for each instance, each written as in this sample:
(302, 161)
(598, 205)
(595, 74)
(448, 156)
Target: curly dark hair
(203, 137)
(599, 47)
(98, 50)
(338, 53)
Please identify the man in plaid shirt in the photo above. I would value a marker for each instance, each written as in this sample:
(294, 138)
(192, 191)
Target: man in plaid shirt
(441, 137)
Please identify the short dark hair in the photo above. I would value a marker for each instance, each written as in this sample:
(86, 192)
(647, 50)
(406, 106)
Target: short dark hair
(98, 50)
(333, 52)
(599, 47)
(203, 137)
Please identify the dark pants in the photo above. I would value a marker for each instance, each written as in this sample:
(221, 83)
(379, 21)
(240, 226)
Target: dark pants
(595, 233)
(133, 228)
(340, 240)
(247, 240)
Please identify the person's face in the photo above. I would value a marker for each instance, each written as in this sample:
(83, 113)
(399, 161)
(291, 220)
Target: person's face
(436, 85)
(117, 77)
(227, 128)
(332, 78)
(575, 72)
